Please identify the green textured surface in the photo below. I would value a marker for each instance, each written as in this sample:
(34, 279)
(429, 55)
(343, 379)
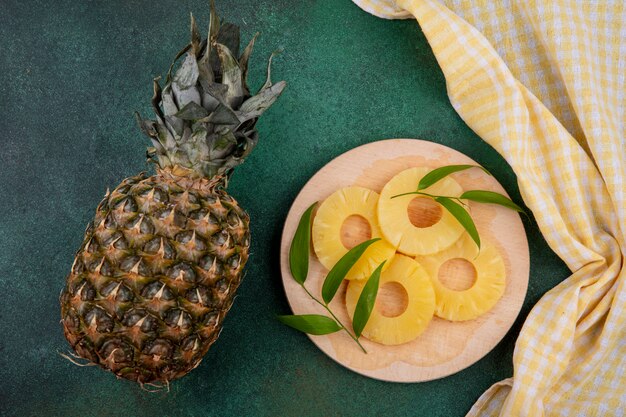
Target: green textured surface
(74, 72)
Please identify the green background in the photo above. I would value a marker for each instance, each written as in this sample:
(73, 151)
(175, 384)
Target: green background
(74, 71)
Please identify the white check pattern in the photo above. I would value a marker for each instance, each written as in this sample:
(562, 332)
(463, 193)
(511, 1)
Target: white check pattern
(544, 83)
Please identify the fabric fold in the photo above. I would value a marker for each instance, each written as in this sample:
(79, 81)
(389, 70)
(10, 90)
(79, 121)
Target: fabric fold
(544, 84)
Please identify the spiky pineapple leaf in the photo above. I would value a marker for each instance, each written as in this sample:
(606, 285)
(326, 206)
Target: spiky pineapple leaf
(156, 97)
(205, 78)
(214, 24)
(225, 141)
(183, 85)
(187, 75)
(166, 137)
(229, 36)
(244, 58)
(268, 81)
(216, 83)
(209, 60)
(226, 36)
(163, 135)
(199, 134)
(173, 123)
(148, 127)
(255, 106)
(167, 102)
(223, 115)
(205, 71)
(195, 37)
(250, 140)
(176, 58)
(212, 93)
(222, 144)
(265, 97)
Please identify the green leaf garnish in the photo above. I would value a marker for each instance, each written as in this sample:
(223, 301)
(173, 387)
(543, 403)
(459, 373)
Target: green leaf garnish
(338, 272)
(365, 305)
(299, 265)
(300, 247)
(482, 196)
(439, 173)
(315, 324)
(462, 216)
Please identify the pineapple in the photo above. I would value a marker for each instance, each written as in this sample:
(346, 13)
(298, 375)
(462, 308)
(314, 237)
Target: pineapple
(417, 225)
(488, 286)
(401, 326)
(327, 231)
(160, 263)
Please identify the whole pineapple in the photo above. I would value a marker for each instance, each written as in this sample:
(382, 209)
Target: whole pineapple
(160, 262)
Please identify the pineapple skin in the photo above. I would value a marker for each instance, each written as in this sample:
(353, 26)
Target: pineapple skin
(155, 276)
(161, 261)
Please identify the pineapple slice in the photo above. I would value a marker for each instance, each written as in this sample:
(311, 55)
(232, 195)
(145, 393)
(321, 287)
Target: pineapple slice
(418, 225)
(399, 326)
(327, 231)
(456, 303)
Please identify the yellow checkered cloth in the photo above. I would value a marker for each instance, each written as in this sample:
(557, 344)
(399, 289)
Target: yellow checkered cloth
(543, 82)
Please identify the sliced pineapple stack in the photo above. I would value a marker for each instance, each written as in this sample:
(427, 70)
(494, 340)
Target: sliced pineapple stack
(420, 303)
(419, 227)
(327, 230)
(488, 286)
(395, 219)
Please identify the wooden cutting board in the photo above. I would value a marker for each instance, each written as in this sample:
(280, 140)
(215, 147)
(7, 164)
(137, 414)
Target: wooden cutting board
(445, 347)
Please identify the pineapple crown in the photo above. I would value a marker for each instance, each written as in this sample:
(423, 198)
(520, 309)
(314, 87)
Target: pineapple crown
(205, 114)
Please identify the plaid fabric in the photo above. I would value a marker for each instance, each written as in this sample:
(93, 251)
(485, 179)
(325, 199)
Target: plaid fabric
(544, 84)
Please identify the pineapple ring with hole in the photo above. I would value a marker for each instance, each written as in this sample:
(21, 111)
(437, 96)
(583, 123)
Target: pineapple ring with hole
(327, 228)
(488, 286)
(420, 303)
(440, 230)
